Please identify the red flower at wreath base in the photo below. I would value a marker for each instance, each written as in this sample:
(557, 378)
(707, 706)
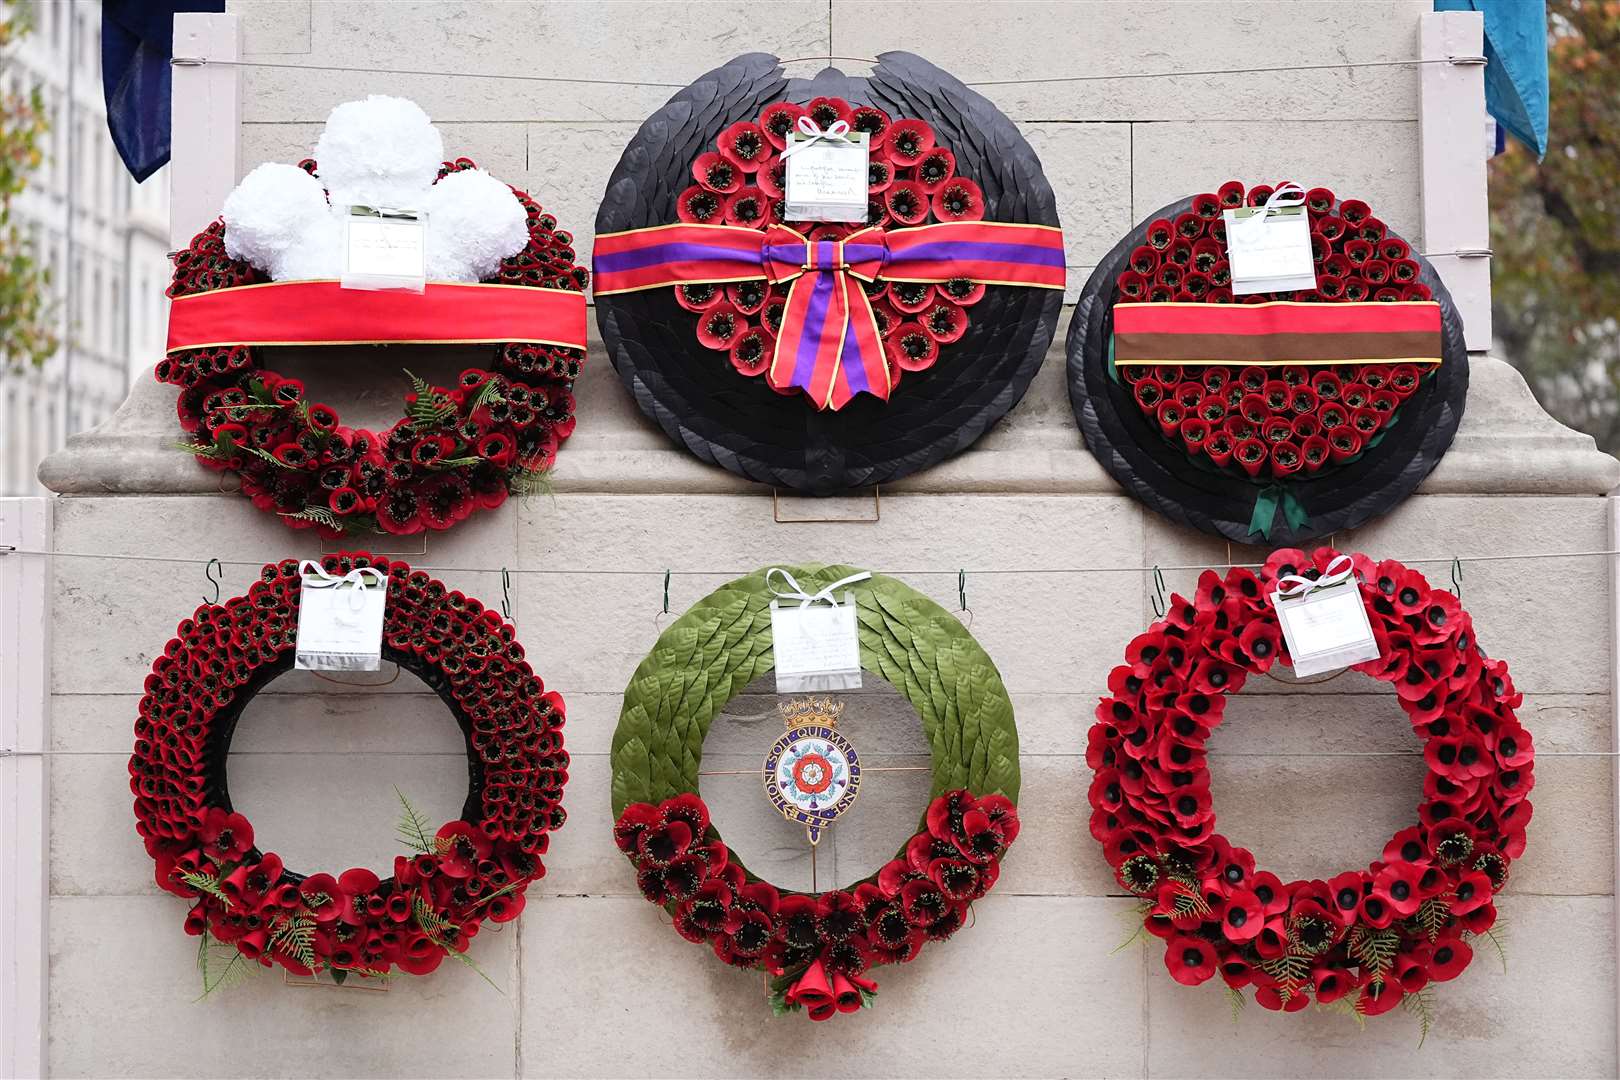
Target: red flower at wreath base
(820, 950)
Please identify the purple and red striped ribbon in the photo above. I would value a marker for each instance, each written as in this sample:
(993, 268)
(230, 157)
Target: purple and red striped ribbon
(829, 345)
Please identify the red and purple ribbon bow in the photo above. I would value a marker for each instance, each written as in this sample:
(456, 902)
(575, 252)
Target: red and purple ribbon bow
(829, 345)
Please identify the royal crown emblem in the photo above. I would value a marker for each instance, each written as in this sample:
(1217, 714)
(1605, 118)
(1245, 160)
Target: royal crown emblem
(812, 774)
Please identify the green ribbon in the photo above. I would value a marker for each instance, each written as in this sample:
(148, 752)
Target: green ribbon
(1266, 504)
(1113, 372)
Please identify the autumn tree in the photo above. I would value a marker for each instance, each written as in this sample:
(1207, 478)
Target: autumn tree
(25, 316)
(1555, 230)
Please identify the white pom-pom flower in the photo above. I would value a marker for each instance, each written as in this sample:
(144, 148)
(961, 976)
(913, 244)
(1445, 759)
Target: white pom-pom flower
(474, 221)
(382, 151)
(277, 219)
(378, 152)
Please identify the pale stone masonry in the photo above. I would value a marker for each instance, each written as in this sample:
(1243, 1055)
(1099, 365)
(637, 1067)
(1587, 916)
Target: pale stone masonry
(597, 984)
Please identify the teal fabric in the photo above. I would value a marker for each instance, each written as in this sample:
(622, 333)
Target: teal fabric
(1516, 72)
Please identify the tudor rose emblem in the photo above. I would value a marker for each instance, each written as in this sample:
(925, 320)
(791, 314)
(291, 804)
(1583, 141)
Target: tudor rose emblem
(812, 774)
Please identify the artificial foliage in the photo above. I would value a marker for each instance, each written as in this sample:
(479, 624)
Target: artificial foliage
(818, 951)
(1365, 939)
(456, 450)
(251, 909)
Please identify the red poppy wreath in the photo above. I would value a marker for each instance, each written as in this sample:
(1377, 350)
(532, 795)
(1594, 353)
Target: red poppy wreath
(500, 272)
(1284, 415)
(1372, 936)
(819, 951)
(469, 870)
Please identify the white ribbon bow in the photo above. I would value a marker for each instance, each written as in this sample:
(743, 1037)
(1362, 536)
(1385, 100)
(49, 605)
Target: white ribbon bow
(834, 133)
(355, 577)
(1286, 196)
(794, 592)
(1292, 586)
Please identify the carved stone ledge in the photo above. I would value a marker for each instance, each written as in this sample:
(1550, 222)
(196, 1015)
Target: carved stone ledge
(1507, 444)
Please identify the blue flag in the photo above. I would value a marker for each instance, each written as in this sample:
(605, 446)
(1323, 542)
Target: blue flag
(1516, 65)
(137, 39)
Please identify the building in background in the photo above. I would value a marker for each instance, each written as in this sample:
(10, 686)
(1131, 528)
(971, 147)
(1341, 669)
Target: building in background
(103, 238)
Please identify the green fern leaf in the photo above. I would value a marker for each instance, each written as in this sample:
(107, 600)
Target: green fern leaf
(526, 483)
(1375, 950)
(204, 883)
(414, 829)
(318, 514)
(1349, 1005)
(234, 973)
(267, 456)
(1235, 1000)
(431, 408)
(1496, 943)
(510, 886)
(295, 936)
(488, 394)
(202, 449)
(1421, 1005)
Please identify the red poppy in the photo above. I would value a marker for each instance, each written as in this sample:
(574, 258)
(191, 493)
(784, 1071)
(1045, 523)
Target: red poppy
(913, 348)
(751, 352)
(720, 326)
(945, 322)
(908, 141)
(745, 146)
(715, 173)
(226, 837)
(779, 120)
(1398, 886)
(906, 202)
(700, 206)
(748, 207)
(1448, 958)
(1190, 960)
(935, 168)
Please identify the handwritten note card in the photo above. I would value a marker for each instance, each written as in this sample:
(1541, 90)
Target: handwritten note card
(827, 178)
(816, 647)
(384, 249)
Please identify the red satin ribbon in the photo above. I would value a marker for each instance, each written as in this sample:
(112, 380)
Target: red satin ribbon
(325, 313)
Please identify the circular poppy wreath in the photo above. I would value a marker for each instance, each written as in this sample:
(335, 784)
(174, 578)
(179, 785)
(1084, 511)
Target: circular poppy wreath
(1202, 444)
(473, 868)
(911, 181)
(818, 949)
(459, 449)
(663, 345)
(1379, 934)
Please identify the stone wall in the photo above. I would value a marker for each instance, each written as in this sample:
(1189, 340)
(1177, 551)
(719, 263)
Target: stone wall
(595, 982)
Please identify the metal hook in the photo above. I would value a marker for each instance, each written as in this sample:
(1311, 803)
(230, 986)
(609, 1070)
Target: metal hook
(658, 619)
(1456, 577)
(506, 595)
(208, 572)
(961, 595)
(1159, 606)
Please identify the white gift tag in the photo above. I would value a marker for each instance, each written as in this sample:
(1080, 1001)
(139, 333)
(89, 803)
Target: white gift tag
(384, 248)
(814, 636)
(340, 619)
(826, 173)
(816, 647)
(1269, 247)
(1326, 627)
